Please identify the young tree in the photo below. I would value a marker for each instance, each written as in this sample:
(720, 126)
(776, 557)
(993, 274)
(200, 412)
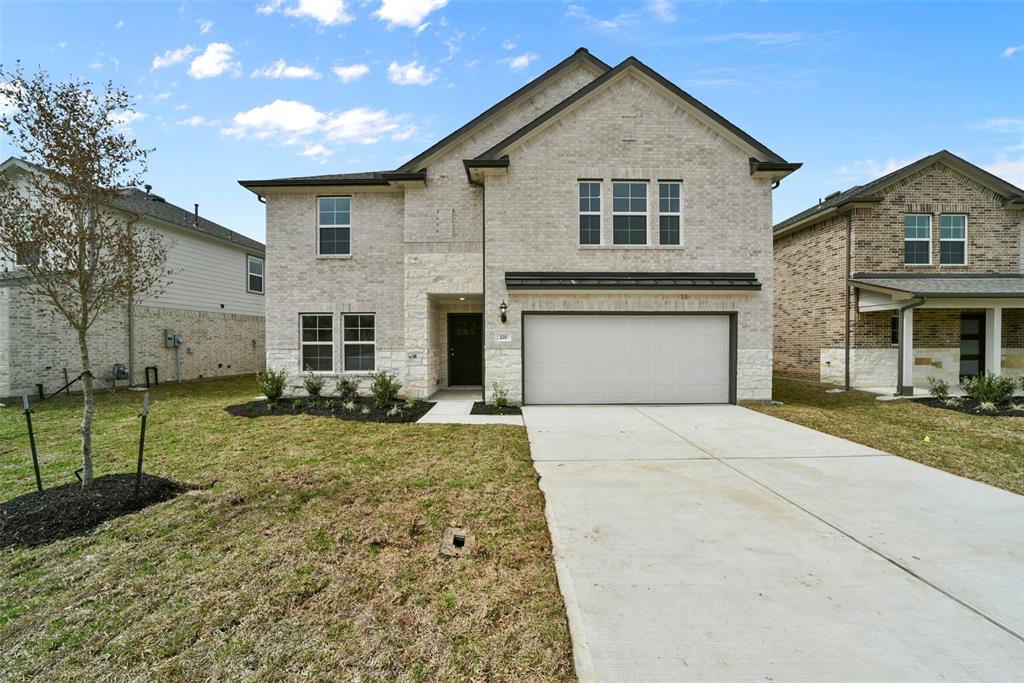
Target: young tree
(76, 251)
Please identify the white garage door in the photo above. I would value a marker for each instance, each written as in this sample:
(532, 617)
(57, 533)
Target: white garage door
(626, 359)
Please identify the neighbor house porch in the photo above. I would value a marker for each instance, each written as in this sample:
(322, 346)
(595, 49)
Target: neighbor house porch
(947, 327)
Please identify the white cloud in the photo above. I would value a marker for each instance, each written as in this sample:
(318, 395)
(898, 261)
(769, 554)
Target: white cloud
(281, 69)
(520, 62)
(204, 26)
(119, 24)
(763, 39)
(288, 122)
(410, 74)
(198, 121)
(662, 9)
(350, 72)
(1004, 125)
(619, 21)
(318, 152)
(172, 57)
(409, 13)
(6, 105)
(215, 60)
(125, 119)
(864, 170)
(160, 97)
(1011, 51)
(180, 107)
(325, 12)
(96, 65)
(1010, 170)
(508, 45)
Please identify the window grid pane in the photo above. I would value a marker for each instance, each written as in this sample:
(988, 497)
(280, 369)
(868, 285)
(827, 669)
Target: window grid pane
(629, 229)
(334, 240)
(317, 343)
(590, 230)
(668, 229)
(952, 253)
(590, 213)
(918, 252)
(359, 343)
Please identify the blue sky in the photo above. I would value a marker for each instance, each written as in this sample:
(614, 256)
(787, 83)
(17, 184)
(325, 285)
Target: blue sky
(266, 88)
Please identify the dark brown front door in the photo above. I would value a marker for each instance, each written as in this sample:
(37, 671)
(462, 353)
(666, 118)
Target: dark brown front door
(972, 345)
(465, 349)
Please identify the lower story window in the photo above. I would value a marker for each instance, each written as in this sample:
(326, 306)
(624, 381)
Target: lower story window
(894, 328)
(317, 342)
(359, 343)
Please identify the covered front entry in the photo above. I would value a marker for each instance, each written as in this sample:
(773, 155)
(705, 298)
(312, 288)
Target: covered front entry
(465, 349)
(628, 358)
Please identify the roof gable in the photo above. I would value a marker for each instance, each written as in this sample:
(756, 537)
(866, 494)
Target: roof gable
(717, 122)
(870, 192)
(580, 56)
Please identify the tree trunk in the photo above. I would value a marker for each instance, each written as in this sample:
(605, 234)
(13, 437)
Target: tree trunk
(87, 396)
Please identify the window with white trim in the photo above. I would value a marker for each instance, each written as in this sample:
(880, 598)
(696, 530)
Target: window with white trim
(255, 274)
(317, 342)
(334, 226)
(590, 212)
(670, 213)
(359, 346)
(629, 213)
(953, 239)
(917, 239)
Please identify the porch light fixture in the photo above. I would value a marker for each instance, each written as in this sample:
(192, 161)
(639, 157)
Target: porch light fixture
(504, 309)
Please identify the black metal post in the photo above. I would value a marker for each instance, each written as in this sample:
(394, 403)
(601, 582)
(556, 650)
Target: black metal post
(142, 444)
(32, 441)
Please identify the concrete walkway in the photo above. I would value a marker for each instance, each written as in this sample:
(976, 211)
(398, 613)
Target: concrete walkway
(713, 543)
(454, 406)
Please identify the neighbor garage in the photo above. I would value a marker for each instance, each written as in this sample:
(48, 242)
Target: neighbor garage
(628, 358)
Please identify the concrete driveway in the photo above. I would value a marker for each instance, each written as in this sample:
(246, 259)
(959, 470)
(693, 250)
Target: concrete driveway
(713, 543)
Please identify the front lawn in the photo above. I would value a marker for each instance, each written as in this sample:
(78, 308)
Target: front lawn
(989, 449)
(306, 548)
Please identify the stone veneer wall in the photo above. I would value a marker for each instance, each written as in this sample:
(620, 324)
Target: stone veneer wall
(36, 344)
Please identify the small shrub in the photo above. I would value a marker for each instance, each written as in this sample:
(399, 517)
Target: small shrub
(500, 396)
(271, 383)
(384, 389)
(1017, 407)
(409, 404)
(939, 388)
(314, 384)
(297, 404)
(347, 388)
(395, 411)
(990, 388)
(952, 402)
(349, 405)
(365, 410)
(987, 406)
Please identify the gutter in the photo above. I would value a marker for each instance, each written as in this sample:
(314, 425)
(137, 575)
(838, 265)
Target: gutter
(849, 296)
(900, 389)
(483, 283)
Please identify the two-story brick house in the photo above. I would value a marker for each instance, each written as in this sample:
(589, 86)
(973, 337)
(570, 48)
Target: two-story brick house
(597, 236)
(919, 274)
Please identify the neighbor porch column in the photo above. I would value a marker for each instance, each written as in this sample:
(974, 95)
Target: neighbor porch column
(906, 355)
(994, 340)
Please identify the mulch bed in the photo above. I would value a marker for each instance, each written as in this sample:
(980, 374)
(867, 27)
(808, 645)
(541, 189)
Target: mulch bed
(970, 406)
(481, 408)
(67, 511)
(332, 407)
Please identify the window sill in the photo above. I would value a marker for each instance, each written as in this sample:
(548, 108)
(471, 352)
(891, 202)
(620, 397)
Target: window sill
(628, 247)
(334, 257)
(952, 265)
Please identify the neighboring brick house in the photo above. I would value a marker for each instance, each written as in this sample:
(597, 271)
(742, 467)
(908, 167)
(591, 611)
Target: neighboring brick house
(939, 240)
(213, 299)
(597, 236)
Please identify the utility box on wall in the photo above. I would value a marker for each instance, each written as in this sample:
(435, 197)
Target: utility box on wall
(172, 339)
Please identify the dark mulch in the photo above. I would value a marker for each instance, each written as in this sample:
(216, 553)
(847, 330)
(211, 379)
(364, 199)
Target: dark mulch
(67, 511)
(481, 408)
(332, 407)
(970, 406)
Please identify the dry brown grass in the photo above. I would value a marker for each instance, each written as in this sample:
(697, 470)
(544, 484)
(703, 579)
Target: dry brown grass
(988, 449)
(307, 551)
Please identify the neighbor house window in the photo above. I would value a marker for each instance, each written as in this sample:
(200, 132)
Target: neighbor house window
(334, 225)
(629, 213)
(953, 239)
(359, 345)
(917, 239)
(590, 212)
(317, 342)
(26, 253)
(670, 212)
(255, 274)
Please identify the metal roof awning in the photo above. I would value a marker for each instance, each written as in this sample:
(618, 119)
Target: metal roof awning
(631, 281)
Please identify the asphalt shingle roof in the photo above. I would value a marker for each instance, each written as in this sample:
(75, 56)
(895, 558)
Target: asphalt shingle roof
(1000, 285)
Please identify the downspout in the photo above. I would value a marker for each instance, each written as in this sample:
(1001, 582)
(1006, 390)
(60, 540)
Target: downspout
(900, 389)
(849, 293)
(483, 287)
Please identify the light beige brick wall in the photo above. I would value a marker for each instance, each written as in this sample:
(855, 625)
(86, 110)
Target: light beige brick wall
(532, 221)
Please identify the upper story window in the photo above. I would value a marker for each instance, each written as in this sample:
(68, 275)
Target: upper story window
(334, 226)
(359, 343)
(670, 213)
(917, 239)
(590, 212)
(26, 254)
(953, 239)
(629, 213)
(317, 342)
(255, 274)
